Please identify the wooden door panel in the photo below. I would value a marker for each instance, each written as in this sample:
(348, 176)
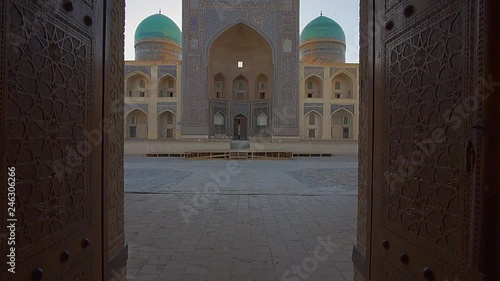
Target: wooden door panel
(51, 101)
(425, 178)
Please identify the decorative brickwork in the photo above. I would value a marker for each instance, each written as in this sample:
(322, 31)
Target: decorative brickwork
(129, 107)
(308, 107)
(170, 106)
(157, 50)
(146, 69)
(349, 107)
(318, 71)
(167, 69)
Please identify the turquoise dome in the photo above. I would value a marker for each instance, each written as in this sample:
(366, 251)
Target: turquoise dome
(322, 28)
(158, 26)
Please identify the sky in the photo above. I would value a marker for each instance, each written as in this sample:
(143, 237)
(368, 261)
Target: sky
(344, 12)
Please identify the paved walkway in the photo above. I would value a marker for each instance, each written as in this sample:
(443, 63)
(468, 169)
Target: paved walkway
(247, 220)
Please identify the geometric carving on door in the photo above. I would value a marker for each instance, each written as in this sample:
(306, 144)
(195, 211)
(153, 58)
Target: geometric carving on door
(424, 198)
(53, 100)
(50, 79)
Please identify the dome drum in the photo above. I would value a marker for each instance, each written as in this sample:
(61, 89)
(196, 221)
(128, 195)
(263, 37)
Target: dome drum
(323, 51)
(157, 51)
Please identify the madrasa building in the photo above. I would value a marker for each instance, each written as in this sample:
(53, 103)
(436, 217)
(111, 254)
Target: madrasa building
(240, 74)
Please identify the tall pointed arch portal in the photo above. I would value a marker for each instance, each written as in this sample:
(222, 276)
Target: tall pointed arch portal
(238, 55)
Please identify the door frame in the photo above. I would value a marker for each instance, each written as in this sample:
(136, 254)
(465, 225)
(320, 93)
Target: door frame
(114, 248)
(491, 209)
(361, 256)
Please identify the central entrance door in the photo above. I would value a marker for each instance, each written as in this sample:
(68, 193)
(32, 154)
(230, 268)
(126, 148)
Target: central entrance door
(240, 128)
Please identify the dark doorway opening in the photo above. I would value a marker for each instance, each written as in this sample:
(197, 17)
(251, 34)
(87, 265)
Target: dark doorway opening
(240, 128)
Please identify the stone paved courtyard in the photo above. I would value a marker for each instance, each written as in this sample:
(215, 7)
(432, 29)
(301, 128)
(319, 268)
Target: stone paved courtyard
(247, 220)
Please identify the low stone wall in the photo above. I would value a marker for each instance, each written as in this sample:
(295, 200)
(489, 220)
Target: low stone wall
(142, 147)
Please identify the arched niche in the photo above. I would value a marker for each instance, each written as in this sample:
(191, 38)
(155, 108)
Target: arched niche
(137, 85)
(136, 125)
(241, 88)
(218, 87)
(314, 87)
(261, 124)
(262, 87)
(342, 124)
(312, 125)
(343, 87)
(166, 125)
(219, 124)
(167, 87)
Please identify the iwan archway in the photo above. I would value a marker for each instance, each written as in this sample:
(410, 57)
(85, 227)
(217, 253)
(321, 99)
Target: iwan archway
(241, 72)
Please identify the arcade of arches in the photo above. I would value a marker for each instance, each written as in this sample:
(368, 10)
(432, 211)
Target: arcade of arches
(63, 118)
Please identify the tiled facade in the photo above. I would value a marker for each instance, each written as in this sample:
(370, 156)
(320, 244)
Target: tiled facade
(220, 89)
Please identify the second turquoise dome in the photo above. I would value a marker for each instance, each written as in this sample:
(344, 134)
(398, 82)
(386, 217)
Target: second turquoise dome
(322, 28)
(158, 26)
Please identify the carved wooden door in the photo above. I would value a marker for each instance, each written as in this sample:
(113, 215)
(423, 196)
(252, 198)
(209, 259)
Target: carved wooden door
(51, 108)
(428, 98)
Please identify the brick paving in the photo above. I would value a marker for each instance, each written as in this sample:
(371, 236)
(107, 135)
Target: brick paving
(247, 220)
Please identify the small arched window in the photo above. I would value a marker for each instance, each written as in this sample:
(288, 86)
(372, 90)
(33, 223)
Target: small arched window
(170, 119)
(142, 84)
(170, 84)
(337, 86)
(133, 120)
(310, 85)
(241, 86)
(312, 120)
(347, 120)
(219, 119)
(219, 122)
(262, 120)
